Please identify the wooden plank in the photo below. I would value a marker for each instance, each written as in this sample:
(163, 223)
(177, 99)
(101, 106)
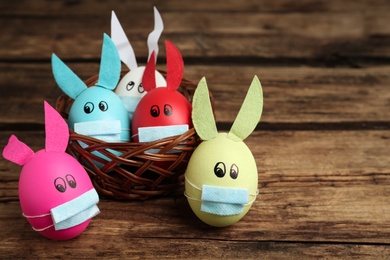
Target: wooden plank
(94, 8)
(121, 239)
(291, 94)
(288, 158)
(126, 238)
(314, 186)
(319, 36)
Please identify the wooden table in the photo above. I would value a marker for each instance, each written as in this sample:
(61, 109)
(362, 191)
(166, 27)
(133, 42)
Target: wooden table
(322, 146)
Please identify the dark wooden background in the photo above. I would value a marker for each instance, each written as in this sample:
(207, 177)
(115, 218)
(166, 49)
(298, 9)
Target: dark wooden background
(322, 146)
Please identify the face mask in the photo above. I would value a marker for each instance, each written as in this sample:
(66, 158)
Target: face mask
(152, 133)
(149, 134)
(73, 212)
(105, 130)
(130, 102)
(223, 201)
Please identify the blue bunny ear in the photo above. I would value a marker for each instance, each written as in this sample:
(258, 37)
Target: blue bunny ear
(66, 79)
(110, 65)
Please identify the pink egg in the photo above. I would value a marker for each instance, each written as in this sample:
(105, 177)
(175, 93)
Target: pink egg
(48, 180)
(56, 194)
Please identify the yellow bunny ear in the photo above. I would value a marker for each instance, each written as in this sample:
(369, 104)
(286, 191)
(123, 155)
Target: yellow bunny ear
(202, 112)
(249, 114)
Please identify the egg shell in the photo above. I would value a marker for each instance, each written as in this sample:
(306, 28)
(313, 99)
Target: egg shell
(38, 194)
(135, 75)
(94, 95)
(181, 110)
(200, 171)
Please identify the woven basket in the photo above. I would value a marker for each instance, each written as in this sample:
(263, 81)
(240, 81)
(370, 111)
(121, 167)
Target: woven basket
(135, 174)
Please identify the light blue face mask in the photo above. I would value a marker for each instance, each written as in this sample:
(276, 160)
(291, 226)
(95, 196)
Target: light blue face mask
(72, 213)
(130, 102)
(223, 201)
(152, 133)
(105, 130)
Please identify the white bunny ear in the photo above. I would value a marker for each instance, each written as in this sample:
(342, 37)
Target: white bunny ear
(123, 45)
(155, 34)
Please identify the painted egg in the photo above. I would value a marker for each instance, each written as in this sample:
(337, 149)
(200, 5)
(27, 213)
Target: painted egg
(55, 192)
(221, 178)
(221, 181)
(130, 89)
(163, 111)
(50, 180)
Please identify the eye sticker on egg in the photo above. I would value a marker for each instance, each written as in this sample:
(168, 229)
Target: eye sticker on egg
(60, 184)
(168, 110)
(71, 181)
(88, 107)
(103, 106)
(220, 169)
(154, 111)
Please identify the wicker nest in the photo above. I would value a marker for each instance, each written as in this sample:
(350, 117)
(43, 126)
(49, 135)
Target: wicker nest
(135, 174)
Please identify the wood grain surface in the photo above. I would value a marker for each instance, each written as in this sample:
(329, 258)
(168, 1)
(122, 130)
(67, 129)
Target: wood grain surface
(322, 146)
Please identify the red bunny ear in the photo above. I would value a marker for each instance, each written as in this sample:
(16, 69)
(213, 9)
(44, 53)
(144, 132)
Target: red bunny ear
(149, 77)
(175, 66)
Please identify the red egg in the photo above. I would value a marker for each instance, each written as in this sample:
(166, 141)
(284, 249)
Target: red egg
(163, 111)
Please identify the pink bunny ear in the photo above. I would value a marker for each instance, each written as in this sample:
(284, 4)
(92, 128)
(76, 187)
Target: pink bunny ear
(149, 77)
(57, 132)
(17, 151)
(175, 66)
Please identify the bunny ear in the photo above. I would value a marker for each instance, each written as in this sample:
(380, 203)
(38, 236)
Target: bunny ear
(110, 65)
(122, 43)
(66, 79)
(17, 151)
(57, 132)
(155, 34)
(202, 112)
(149, 77)
(249, 114)
(175, 66)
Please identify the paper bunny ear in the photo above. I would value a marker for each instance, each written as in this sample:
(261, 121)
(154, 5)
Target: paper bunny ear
(122, 43)
(249, 114)
(17, 151)
(175, 66)
(202, 112)
(66, 79)
(155, 34)
(110, 65)
(149, 78)
(57, 132)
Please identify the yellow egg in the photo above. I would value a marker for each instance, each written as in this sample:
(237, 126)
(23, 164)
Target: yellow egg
(221, 163)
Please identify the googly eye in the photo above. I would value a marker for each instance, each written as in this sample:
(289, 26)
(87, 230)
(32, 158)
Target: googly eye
(130, 85)
(168, 109)
(88, 107)
(60, 184)
(234, 171)
(154, 111)
(103, 106)
(220, 169)
(71, 181)
(141, 88)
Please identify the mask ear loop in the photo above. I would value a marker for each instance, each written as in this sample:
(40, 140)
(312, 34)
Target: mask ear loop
(199, 189)
(39, 216)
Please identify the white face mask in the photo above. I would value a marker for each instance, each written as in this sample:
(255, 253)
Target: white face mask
(105, 130)
(223, 201)
(73, 212)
